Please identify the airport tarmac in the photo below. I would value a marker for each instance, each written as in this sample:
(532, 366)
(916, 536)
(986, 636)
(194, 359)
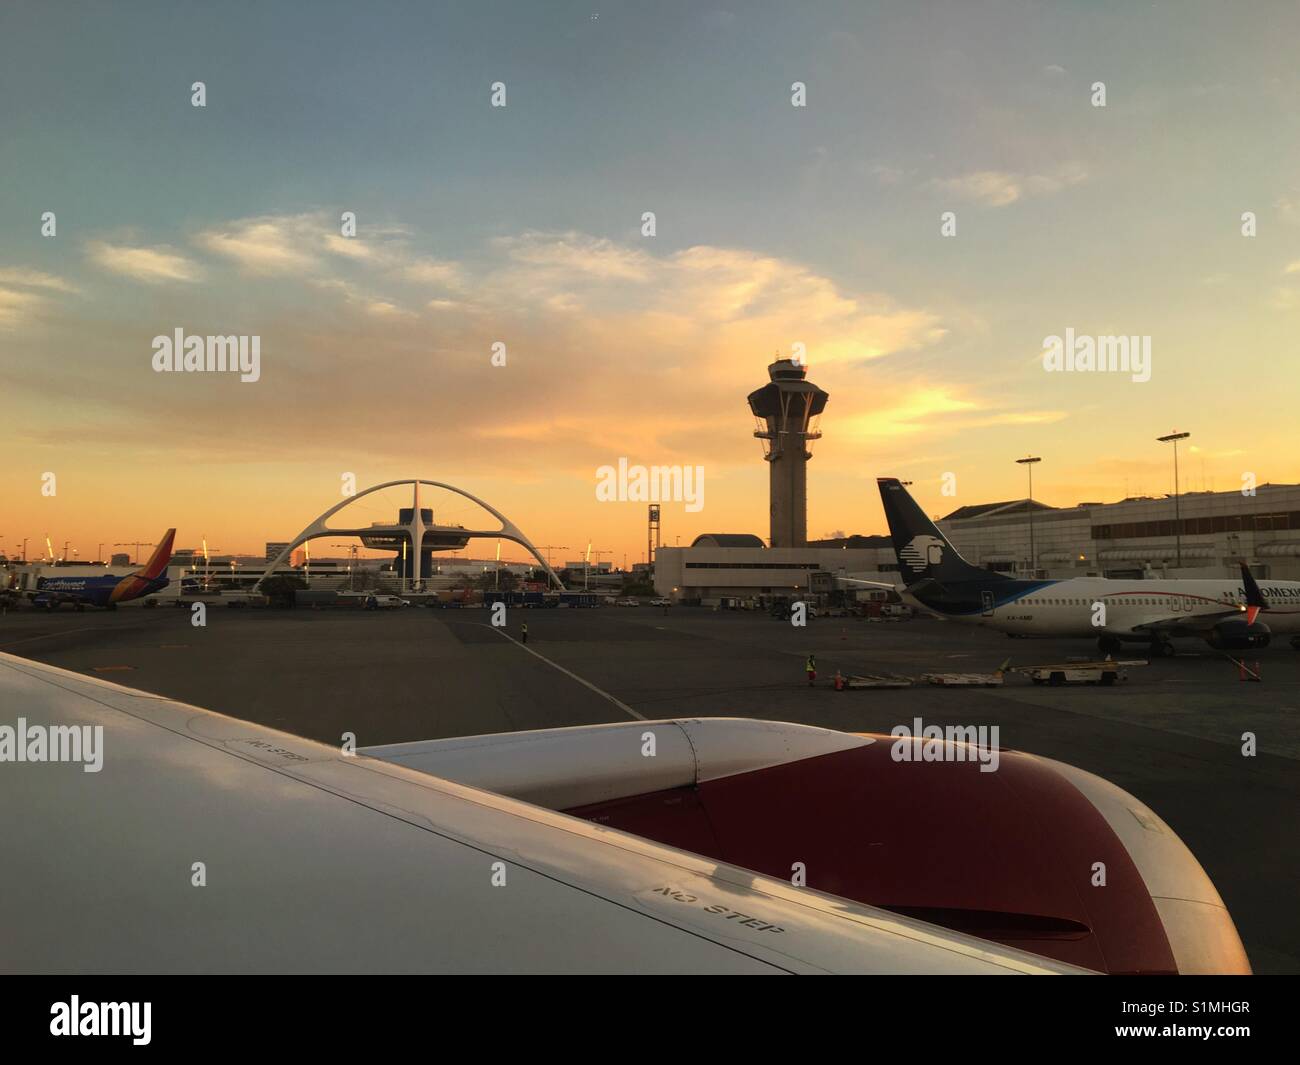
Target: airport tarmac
(1171, 734)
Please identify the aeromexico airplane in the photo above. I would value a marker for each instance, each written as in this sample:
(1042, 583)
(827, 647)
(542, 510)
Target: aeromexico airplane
(107, 591)
(1226, 614)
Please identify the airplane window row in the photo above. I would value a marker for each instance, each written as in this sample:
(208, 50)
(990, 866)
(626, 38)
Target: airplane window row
(1166, 601)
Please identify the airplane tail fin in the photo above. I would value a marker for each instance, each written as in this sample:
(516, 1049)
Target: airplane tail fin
(924, 553)
(162, 554)
(1255, 601)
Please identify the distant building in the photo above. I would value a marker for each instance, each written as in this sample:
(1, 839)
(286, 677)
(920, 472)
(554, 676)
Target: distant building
(120, 558)
(592, 567)
(708, 574)
(1136, 537)
(274, 547)
(727, 540)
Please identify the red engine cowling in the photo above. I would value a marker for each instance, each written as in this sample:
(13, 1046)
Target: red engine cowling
(1036, 855)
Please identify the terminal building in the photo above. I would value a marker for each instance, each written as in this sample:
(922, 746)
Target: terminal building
(1134, 538)
(1139, 537)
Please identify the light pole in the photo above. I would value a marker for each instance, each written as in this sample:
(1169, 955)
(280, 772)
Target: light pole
(1173, 438)
(1028, 462)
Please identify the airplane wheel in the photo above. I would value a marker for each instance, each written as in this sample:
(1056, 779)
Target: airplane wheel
(1108, 678)
(1056, 679)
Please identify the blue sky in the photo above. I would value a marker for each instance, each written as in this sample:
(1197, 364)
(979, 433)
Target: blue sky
(774, 224)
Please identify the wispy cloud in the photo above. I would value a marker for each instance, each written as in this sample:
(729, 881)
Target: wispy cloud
(15, 306)
(689, 323)
(269, 244)
(433, 272)
(577, 255)
(34, 279)
(155, 265)
(1000, 188)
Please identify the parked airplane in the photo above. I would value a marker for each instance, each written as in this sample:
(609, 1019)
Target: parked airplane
(106, 591)
(1226, 614)
(567, 850)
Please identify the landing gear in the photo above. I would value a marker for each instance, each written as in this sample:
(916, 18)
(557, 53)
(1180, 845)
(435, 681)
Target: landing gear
(1161, 649)
(1110, 645)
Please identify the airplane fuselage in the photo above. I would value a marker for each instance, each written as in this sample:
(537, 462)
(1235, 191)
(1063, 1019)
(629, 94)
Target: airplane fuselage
(95, 591)
(1099, 606)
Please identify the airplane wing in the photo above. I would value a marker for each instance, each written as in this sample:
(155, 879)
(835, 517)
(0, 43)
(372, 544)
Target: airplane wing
(311, 860)
(1185, 625)
(891, 585)
(1201, 624)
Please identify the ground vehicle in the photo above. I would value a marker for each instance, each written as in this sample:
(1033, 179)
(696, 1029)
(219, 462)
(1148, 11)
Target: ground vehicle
(1106, 671)
(520, 598)
(783, 611)
(627, 601)
(663, 600)
(385, 602)
(575, 600)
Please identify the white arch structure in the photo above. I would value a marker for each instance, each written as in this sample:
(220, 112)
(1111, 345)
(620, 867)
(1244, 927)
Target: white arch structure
(415, 530)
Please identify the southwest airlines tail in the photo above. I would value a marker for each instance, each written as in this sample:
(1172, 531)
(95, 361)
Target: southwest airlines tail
(924, 553)
(162, 554)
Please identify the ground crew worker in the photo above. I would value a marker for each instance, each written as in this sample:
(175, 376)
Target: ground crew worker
(525, 632)
(811, 667)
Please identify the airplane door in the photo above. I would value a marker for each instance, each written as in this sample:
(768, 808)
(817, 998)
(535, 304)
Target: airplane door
(986, 600)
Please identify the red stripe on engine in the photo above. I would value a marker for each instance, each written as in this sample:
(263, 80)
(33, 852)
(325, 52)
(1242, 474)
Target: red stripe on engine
(1006, 855)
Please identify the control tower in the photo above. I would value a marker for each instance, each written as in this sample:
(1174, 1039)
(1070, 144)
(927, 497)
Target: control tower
(788, 409)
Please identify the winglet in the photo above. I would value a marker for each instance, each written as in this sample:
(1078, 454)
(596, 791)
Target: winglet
(1254, 597)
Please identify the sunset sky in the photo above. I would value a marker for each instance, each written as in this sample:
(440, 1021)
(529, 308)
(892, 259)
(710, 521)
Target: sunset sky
(776, 225)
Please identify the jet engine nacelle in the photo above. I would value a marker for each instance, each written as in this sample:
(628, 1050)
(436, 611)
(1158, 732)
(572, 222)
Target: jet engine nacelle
(1236, 635)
